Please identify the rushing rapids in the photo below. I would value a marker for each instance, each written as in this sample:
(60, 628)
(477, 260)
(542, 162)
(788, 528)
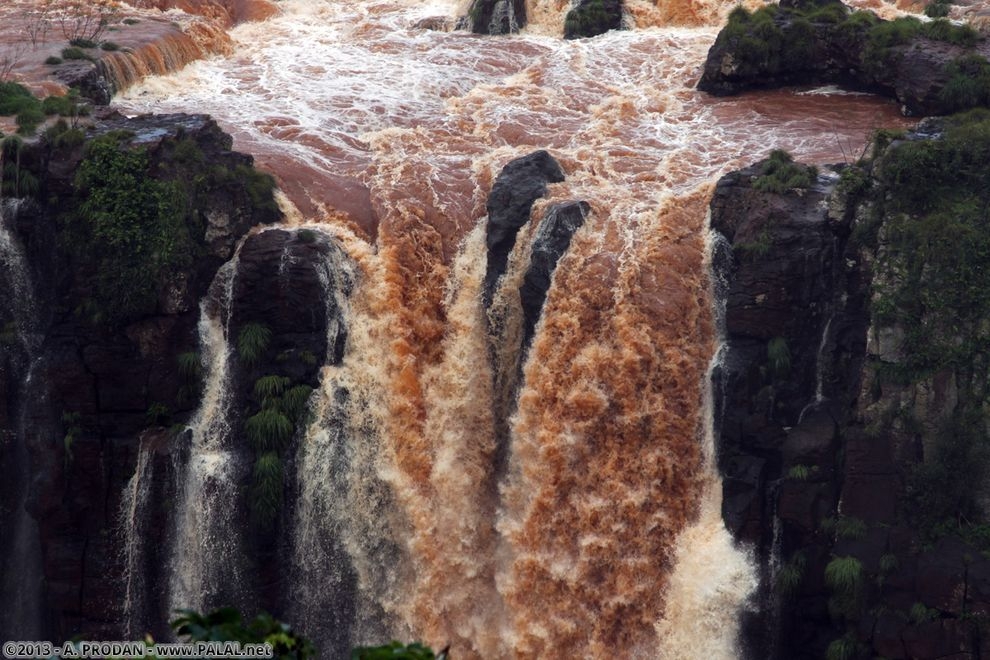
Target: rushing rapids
(601, 536)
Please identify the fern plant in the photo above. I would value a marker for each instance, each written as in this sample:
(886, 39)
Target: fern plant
(268, 430)
(252, 342)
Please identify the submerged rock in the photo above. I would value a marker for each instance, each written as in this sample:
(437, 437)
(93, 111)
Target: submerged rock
(496, 16)
(520, 183)
(589, 18)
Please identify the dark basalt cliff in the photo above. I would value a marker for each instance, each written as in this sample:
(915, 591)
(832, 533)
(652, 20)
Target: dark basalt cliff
(110, 357)
(929, 68)
(852, 429)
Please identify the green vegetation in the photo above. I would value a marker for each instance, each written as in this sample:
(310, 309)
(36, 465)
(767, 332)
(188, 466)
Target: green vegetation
(15, 180)
(920, 613)
(252, 342)
(844, 648)
(779, 357)
(130, 21)
(82, 43)
(937, 9)
(73, 53)
(73, 429)
(158, 414)
(52, 60)
(109, 46)
(131, 223)
(844, 578)
(266, 488)
(888, 564)
(397, 651)
(294, 402)
(791, 574)
(801, 472)
(306, 235)
(850, 528)
(268, 429)
(780, 173)
(225, 624)
(968, 85)
(268, 388)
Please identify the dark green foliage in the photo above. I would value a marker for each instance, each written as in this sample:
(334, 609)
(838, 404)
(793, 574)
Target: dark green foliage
(850, 528)
(268, 430)
(920, 613)
(294, 402)
(781, 173)
(779, 357)
(131, 21)
(190, 365)
(844, 648)
(158, 414)
(132, 224)
(252, 342)
(266, 489)
(28, 120)
(935, 275)
(225, 624)
(53, 60)
(267, 389)
(306, 235)
(791, 574)
(395, 651)
(942, 29)
(937, 9)
(15, 98)
(968, 85)
(73, 53)
(844, 578)
(109, 46)
(82, 43)
(58, 105)
(943, 494)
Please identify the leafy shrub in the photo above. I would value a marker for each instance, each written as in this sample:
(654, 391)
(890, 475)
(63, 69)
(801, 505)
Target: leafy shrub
(131, 224)
(844, 648)
(268, 430)
(920, 613)
(801, 472)
(850, 528)
(252, 342)
(225, 624)
(73, 53)
(780, 173)
(295, 400)
(396, 651)
(130, 21)
(14, 98)
(791, 574)
(58, 105)
(109, 46)
(82, 43)
(158, 414)
(306, 235)
(28, 120)
(937, 9)
(266, 495)
(190, 365)
(968, 85)
(269, 388)
(52, 60)
(844, 575)
(779, 357)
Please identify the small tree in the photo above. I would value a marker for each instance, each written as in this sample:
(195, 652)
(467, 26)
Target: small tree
(83, 19)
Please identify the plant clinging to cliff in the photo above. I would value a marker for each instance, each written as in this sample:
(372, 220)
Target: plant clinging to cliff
(252, 342)
(780, 173)
(268, 430)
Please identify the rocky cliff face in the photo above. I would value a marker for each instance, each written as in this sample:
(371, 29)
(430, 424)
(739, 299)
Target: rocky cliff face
(832, 433)
(923, 66)
(106, 365)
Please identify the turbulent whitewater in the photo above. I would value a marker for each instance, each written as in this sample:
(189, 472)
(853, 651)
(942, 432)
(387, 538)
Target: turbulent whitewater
(593, 528)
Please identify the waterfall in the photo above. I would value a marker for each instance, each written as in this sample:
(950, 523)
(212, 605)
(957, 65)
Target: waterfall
(712, 579)
(207, 563)
(132, 521)
(21, 587)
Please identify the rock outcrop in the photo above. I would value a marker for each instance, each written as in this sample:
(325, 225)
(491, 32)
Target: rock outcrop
(917, 64)
(589, 18)
(496, 16)
(519, 184)
(833, 432)
(106, 375)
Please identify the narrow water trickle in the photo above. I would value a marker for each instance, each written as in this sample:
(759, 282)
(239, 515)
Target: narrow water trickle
(207, 563)
(21, 581)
